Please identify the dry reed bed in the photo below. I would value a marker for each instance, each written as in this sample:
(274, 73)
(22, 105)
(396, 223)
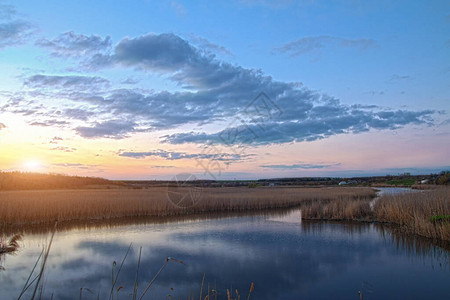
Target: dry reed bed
(413, 212)
(33, 207)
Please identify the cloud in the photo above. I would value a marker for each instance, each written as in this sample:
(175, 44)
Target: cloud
(55, 140)
(315, 44)
(315, 126)
(64, 149)
(12, 30)
(115, 129)
(74, 165)
(216, 91)
(396, 78)
(306, 166)
(50, 123)
(204, 44)
(66, 82)
(163, 167)
(158, 52)
(172, 155)
(130, 80)
(80, 113)
(179, 9)
(71, 44)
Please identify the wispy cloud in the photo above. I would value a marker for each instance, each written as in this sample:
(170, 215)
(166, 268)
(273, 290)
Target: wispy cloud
(206, 45)
(163, 167)
(173, 155)
(64, 149)
(396, 78)
(301, 166)
(71, 44)
(13, 30)
(66, 82)
(315, 44)
(50, 123)
(75, 165)
(179, 8)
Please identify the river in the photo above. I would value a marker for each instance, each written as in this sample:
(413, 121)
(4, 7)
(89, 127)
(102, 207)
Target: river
(284, 257)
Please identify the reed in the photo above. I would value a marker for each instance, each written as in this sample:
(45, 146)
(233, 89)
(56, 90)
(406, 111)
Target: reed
(417, 213)
(37, 207)
(425, 213)
(11, 245)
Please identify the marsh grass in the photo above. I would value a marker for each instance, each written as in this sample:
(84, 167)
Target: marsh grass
(414, 212)
(37, 207)
(423, 213)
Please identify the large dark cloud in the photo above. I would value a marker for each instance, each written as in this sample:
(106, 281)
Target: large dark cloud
(13, 30)
(216, 91)
(71, 44)
(310, 128)
(163, 52)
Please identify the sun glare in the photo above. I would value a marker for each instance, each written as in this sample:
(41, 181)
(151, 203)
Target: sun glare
(32, 165)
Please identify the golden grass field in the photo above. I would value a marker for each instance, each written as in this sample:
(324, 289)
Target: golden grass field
(28, 207)
(412, 212)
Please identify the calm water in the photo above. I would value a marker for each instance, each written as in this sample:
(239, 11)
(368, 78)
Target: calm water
(286, 259)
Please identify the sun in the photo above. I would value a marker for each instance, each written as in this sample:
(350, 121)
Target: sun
(32, 165)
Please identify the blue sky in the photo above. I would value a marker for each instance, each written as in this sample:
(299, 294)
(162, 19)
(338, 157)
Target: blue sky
(148, 89)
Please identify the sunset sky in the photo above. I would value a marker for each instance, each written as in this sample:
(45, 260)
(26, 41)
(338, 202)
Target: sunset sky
(225, 89)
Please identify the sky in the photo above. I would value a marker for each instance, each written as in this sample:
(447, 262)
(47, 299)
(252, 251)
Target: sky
(239, 89)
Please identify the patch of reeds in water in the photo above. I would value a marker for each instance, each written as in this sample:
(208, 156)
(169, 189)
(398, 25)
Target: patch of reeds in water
(421, 213)
(416, 212)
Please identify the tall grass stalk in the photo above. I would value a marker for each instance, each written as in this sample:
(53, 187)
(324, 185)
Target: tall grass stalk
(41, 273)
(135, 290)
(111, 295)
(159, 272)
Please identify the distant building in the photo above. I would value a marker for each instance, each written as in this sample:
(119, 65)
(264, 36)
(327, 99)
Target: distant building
(342, 183)
(424, 181)
(271, 184)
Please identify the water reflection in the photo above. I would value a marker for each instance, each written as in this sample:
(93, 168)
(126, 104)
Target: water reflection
(286, 260)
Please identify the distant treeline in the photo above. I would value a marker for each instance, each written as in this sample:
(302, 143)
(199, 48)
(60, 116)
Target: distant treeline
(405, 179)
(35, 181)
